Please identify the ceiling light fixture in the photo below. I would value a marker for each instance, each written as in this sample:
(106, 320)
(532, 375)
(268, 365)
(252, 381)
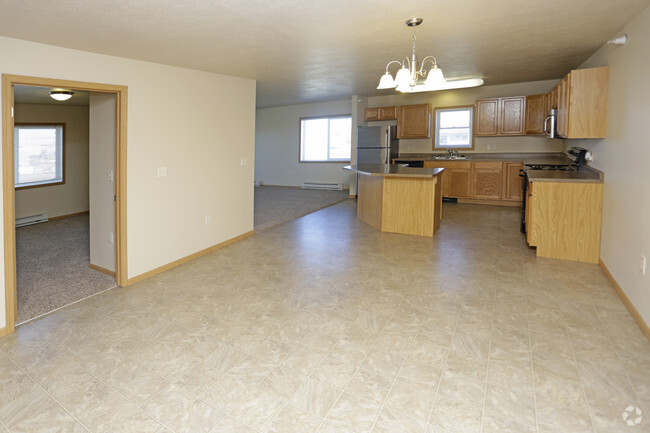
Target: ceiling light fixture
(409, 78)
(61, 95)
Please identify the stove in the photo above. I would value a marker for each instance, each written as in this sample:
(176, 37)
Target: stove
(549, 167)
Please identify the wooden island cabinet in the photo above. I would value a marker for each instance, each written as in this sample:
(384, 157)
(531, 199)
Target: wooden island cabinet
(398, 199)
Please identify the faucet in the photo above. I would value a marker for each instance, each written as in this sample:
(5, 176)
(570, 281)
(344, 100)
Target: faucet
(450, 153)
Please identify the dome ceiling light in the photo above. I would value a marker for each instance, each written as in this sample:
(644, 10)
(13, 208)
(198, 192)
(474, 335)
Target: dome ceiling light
(60, 95)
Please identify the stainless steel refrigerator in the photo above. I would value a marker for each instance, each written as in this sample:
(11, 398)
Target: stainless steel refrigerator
(377, 144)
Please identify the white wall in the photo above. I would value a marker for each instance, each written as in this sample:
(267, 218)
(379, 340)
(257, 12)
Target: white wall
(277, 144)
(102, 179)
(71, 197)
(624, 156)
(197, 124)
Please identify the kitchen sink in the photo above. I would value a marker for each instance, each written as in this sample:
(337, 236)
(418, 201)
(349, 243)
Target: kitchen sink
(447, 157)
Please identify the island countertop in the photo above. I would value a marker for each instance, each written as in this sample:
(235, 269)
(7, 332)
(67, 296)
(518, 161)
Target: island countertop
(393, 170)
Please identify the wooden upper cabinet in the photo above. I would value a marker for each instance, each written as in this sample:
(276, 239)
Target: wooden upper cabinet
(487, 180)
(380, 113)
(582, 103)
(388, 113)
(487, 117)
(500, 116)
(371, 114)
(536, 112)
(512, 115)
(414, 121)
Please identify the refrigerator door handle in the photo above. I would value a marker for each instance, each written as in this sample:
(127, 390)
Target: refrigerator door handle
(387, 146)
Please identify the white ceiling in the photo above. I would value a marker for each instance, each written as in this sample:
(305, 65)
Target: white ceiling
(305, 51)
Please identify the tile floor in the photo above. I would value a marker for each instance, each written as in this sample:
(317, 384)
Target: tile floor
(325, 325)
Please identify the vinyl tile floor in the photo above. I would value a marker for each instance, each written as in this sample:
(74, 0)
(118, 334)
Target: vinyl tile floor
(324, 324)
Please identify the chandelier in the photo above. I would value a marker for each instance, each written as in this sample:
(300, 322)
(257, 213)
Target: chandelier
(411, 79)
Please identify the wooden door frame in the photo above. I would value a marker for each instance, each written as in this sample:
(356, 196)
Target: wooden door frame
(9, 200)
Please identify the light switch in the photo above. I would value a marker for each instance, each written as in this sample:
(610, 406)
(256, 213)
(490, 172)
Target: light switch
(243, 161)
(162, 171)
(110, 175)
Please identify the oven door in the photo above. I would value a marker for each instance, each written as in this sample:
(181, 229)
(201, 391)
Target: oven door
(524, 187)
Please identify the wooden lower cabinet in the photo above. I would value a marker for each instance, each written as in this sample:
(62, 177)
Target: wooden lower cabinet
(487, 180)
(456, 179)
(563, 219)
(481, 180)
(513, 182)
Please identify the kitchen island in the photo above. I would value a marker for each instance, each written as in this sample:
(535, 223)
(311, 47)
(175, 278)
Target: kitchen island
(398, 199)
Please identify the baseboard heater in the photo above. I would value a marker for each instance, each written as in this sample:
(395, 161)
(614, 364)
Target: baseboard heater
(321, 185)
(32, 219)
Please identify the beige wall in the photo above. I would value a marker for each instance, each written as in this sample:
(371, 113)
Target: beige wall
(197, 124)
(72, 197)
(102, 180)
(277, 144)
(450, 98)
(277, 140)
(623, 156)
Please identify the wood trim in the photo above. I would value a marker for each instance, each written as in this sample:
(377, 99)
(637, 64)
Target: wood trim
(186, 259)
(3, 332)
(121, 262)
(621, 293)
(121, 94)
(8, 207)
(102, 270)
(60, 217)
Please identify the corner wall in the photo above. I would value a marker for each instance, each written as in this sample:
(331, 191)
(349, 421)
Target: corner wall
(624, 156)
(71, 197)
(199, 134)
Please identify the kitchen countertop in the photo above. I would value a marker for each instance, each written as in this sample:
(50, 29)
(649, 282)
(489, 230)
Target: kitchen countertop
(394, 170)
(584, 175)
(483, 156)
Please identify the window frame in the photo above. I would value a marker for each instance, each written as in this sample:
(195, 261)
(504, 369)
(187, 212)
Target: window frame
(63, 154)
(325, 161)
(436, 130)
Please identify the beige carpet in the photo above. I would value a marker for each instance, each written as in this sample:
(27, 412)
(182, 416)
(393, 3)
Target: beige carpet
(52, 266)
(275, 205)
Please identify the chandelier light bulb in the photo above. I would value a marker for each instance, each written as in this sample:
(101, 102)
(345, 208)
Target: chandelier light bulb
(387, 81)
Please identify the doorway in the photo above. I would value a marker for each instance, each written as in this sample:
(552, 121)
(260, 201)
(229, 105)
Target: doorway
(120, 94)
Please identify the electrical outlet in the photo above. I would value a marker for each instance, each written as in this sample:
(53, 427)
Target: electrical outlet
(642, 264)
(162, 171)
(110, 175)
(243, 161)
(110, 238)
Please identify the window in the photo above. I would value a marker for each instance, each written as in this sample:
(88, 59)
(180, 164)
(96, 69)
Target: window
(38, 155)
(325, 139)
(454, 127)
